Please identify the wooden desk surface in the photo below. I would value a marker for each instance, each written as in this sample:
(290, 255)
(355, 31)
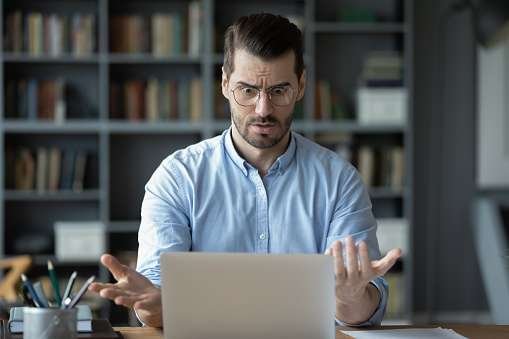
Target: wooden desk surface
(470, 331)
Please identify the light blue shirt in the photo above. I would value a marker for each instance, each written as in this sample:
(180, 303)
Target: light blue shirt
(206, 197)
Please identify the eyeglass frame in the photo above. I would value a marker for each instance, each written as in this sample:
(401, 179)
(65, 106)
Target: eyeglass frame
(266, 92)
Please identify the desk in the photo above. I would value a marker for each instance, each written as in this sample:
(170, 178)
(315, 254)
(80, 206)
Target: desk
(470, 331)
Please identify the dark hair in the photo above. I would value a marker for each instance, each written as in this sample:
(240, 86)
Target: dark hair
(264, 35)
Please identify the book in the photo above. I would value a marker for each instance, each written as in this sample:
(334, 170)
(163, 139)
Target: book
(101, 329)
(151, 100)
(79, 171)
(67, 170)
(24, 170)
(14, 32)
(366, 165)
(41, 181)
(194, 30)
(54, 167)
(396, 299)
(196, 96)
(398, 167)
(84, 317)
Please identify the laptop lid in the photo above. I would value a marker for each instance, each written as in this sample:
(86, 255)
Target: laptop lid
(220, 295)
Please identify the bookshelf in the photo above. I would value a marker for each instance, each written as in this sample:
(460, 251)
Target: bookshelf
(118, 163)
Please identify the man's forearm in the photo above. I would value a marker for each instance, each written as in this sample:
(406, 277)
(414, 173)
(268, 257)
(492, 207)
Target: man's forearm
(359, 311)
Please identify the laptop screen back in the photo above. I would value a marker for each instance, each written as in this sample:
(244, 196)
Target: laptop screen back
(212, 295)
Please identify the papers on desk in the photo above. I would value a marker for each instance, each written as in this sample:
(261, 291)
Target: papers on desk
(421, 333)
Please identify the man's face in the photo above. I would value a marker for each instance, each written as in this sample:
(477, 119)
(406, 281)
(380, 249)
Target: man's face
(262, 124)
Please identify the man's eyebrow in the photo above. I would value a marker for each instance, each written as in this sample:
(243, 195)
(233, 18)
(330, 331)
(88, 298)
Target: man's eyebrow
(281, 84)
(246, 84)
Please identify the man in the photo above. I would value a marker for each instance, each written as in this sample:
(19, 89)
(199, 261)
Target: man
(258, 187)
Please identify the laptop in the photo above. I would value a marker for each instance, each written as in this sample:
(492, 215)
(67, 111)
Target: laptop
(248, 296)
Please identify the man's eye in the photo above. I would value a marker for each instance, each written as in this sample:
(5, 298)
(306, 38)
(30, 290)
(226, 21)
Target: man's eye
(278, 91)
(248, 91)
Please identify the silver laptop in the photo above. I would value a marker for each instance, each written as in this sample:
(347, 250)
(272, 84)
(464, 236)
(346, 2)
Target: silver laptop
(248, 296)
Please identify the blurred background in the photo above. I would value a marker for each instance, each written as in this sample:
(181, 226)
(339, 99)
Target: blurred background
(95, 93)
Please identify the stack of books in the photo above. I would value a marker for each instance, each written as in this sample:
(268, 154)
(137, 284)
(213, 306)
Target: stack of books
(34, 99)
(46, 169)
(329, 105)
(54, 35)
(381, 166)
(161, 34)
(84, 317)
(156, 100)
(381, 97)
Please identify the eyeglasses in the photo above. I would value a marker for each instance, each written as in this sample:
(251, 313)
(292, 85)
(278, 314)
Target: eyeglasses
(249, 96)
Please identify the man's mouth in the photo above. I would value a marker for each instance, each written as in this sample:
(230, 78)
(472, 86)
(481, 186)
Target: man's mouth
(263, 128)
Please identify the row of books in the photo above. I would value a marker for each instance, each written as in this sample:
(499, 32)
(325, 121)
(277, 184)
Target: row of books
(329, 104)
(162, 34)
(382, 69)
(381, 96)
(155, 100)
(46, 169)
(378, 165)
(50, 34)
(381, 166)
(36, 99)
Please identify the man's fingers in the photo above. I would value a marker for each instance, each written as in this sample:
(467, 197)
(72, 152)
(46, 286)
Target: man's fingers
(97, 286)
(118, 270)
(365, 262)
(383, 265)
(352, 261)
(143, 305)
(113, 292)
(339, 267)
(125, 301)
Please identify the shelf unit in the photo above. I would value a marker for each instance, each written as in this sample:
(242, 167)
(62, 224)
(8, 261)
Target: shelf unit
(333, 50)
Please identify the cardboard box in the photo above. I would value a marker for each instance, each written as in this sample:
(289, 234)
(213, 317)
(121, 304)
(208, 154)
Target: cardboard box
(392, 233)
(382, 105)
(79, 240)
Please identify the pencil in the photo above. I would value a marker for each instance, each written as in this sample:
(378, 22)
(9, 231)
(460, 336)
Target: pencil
(31, 290)
(54, 282)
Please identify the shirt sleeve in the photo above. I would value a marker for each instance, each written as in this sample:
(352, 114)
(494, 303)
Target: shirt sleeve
(164, 221)
(353, 217)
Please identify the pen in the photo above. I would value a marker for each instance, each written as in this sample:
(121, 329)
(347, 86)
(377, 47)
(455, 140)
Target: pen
(40, 294)
(31, 290)
(68, 288)
(54, 282)
(27, 296)
(68, 303)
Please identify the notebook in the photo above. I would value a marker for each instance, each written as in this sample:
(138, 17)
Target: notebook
(101, 329)
(407, 333)
(84, 316)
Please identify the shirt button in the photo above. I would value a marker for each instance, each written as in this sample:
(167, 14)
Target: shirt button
(262, 236)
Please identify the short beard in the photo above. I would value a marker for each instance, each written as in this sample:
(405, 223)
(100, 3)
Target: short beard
(266, 142)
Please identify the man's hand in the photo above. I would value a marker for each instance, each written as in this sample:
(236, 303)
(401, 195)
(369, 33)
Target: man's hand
(356, 298)
(131, 290)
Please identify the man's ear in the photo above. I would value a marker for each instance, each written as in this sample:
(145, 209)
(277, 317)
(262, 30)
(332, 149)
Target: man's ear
(302, 85)
(224, 84)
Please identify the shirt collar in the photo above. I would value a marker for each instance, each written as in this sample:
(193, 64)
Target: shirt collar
(242, 164)
(280, 165)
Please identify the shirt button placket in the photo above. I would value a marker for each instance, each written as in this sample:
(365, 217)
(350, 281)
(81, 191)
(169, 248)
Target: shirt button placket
(262, 214)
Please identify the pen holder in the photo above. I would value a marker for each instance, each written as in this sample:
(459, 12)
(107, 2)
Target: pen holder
(49, 323)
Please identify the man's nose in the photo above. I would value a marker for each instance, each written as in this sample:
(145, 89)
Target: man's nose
(264, 106)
